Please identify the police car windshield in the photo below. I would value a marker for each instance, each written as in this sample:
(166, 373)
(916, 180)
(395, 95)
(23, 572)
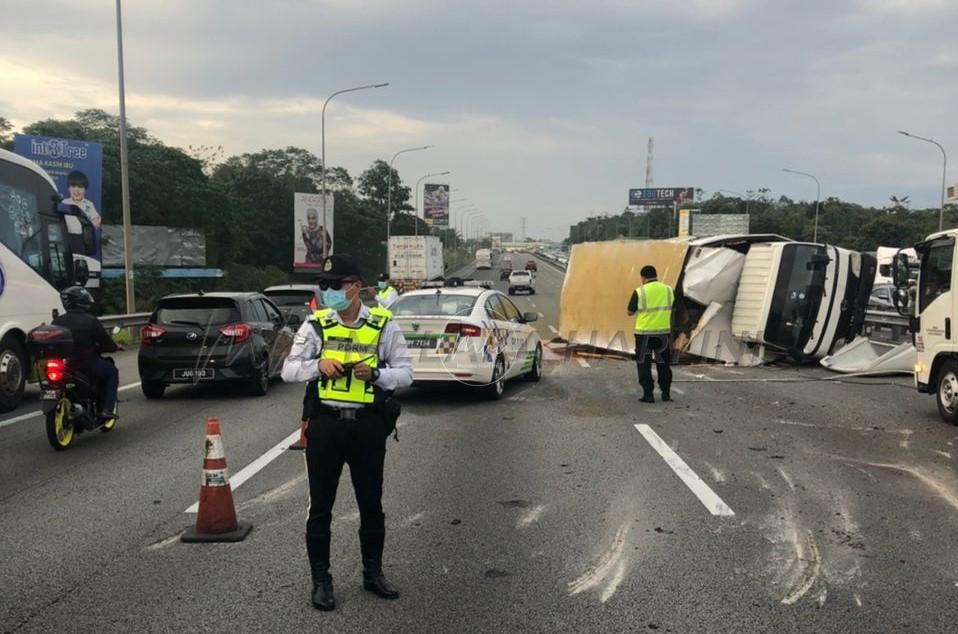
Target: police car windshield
(438, 304)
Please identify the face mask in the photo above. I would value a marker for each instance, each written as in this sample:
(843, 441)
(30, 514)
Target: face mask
(381, 285)
(336, 299)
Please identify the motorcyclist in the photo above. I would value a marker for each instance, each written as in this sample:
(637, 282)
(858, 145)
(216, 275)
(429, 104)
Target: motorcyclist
(90, 339)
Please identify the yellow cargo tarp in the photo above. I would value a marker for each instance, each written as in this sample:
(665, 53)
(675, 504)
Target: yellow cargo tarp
(599, 281)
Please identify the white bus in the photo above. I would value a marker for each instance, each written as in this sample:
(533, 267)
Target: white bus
(36, 261)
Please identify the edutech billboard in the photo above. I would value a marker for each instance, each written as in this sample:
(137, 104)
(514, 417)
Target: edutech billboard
(661, 196)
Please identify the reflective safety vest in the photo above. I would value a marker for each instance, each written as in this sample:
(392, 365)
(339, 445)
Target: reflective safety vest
(387, 296)
(350, 345)
(653, 314)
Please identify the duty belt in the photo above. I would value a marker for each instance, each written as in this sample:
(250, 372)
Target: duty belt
(343, 413)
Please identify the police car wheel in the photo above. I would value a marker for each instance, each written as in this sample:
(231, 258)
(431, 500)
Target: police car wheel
(496, 387)
(535, 372)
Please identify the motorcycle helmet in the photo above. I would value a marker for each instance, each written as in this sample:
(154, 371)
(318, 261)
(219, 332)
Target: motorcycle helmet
(76, 297)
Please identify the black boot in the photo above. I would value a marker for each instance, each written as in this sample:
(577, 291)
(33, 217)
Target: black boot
(371, 544)
(647, 398)
(317, 549)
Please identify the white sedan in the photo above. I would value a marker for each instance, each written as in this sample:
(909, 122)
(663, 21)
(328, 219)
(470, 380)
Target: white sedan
(468, 334)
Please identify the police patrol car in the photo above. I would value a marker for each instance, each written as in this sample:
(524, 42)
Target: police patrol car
(468, 334)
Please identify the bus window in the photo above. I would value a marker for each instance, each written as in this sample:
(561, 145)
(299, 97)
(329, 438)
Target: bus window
(60, 258)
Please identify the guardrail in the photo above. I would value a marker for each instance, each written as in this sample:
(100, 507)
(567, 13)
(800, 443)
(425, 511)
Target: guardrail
(133, 320)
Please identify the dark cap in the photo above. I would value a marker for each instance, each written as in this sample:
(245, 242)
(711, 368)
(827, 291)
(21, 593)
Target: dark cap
(384, 277)
(340, 266)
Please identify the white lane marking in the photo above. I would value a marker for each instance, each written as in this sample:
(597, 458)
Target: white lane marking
(29, 415)
(254, 467)
(164, 543)
(531, 516)
(712, 502)
(554, 330)
(583, 362)
(541, 316)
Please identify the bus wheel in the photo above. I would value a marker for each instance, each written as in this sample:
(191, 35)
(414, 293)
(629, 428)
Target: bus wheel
(948, 392)
(13, 373)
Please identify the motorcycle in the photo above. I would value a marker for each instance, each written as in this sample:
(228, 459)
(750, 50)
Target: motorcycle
(68, 399)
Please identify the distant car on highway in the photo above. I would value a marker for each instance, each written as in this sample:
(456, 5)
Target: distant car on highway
(881, 297)
(471, 335)
(523, 281)
(213, 338)
(505, 268)
(532, 266)
(295, 301)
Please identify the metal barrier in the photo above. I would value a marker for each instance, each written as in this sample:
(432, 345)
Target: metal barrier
(134, 320)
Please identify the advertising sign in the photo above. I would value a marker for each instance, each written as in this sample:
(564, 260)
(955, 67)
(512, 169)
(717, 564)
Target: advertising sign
(312, 230)
(435, 205)
(77, 169)
(661, 196)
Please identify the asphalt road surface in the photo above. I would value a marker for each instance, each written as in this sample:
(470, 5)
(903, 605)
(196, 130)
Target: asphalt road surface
(760, 500)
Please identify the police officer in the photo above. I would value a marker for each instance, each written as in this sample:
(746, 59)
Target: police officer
(89, 340)
(652, 305)
(360, 357)
(387, 294)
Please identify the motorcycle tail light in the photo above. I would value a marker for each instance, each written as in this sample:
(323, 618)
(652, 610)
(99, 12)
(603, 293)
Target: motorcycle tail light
(54, 370)
(150, 332)
(313, 304)
(238, 332)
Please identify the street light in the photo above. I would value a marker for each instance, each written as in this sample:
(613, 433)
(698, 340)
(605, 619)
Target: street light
(124, 172)
(944, 174)
(818, 197)
(322, 126)
(424, 176)
(389, 188)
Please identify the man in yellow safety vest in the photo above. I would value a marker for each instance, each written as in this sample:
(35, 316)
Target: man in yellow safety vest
(652, 305)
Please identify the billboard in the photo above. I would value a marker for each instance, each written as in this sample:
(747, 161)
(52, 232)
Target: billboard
(708, 225)
(77, 169)
(661, 196)
(312, 230)
(435, 205)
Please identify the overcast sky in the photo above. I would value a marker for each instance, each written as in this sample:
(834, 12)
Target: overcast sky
(539, 108)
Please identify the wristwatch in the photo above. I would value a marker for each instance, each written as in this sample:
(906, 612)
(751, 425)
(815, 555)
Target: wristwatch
(375, 375)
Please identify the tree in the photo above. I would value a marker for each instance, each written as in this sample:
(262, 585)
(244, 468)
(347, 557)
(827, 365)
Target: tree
(374, 185)
(5, 128)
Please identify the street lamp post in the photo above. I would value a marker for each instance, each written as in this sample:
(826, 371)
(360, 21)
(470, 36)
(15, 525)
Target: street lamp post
(389, 188)
(322, 126)
(818, 196)
(944, 174)
(124, 171)
(421, 178)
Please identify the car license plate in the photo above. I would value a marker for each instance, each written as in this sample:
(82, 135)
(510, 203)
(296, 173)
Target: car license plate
(193, 374)
(50, 395)
(422, 344)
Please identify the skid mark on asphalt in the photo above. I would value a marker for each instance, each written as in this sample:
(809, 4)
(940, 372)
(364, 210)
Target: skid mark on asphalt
(531, 516)
(796, 423)
(935, 485)
(610, 568)
(942, 453)
(274, 494)
(717, 475)
(412, 519)
(762, 482)
(806, 552)
(712, 502)
(785, 476)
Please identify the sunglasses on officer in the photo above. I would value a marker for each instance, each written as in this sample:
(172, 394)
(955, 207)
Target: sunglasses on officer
(325, 285)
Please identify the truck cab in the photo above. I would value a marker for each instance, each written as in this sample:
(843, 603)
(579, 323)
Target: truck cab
(931, 305)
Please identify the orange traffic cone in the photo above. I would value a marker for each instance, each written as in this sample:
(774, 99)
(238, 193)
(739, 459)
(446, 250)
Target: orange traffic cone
(216, 519)
(300, 444)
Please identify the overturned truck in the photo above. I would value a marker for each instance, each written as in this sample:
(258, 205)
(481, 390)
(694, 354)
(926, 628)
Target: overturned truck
(742, 299)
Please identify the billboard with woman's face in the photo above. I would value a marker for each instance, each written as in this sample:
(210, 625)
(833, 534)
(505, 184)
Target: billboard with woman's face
(312, 230)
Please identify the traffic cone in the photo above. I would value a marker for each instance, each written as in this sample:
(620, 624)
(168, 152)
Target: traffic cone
(300, 444)
(216, 519)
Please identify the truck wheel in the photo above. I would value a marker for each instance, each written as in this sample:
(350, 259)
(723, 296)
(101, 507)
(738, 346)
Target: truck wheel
(13, 373)
(948, 392)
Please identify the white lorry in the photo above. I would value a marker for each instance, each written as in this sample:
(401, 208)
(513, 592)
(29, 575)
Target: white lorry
(483, 259)
(415, 259)
(931, 305)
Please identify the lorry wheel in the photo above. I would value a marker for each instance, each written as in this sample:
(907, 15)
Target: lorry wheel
(948, 392)
(13, 373)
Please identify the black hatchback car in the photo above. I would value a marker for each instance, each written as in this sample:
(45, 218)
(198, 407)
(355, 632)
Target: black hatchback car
(213, 338)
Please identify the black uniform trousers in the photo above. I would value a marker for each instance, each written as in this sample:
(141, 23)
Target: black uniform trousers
(658, 347)
(332, 442)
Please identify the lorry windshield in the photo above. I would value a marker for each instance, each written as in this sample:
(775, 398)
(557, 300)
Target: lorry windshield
(797, 296)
